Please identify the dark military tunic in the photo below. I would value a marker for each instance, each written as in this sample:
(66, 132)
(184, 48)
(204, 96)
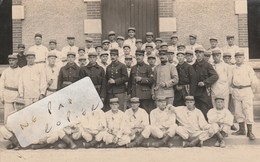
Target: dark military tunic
(68, 74)
(187, 81)
(117, 71)
(97, 76)
(207, 74)
(21, 60)
(142, 89)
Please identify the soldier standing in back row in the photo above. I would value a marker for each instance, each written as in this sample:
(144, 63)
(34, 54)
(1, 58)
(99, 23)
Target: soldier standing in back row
(21, 56)
(32, 81)
(141, 81)
(165, 76)
(116, 76)
(206, 76)
(68, 73)
(96, 74)
(187, 81)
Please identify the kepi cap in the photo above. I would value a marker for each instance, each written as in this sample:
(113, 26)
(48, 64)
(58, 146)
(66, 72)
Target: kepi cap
(21, 46)
(189, 98)
(134, 100)
(114, 52)
(12, 56)
(111, 33)
(30, 53)
(139, 52)
(37, 35)
(114, 100)
(71, 53)
(52, 54)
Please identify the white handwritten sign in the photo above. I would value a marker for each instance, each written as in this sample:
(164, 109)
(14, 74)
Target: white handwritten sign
(54, 112)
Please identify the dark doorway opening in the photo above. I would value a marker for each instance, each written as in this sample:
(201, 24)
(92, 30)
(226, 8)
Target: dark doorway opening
(6, 46)
(118, 15)
(254, 28)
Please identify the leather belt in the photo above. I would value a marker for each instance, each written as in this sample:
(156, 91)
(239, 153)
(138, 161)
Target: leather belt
(11, 88)
(240, 87)
(51, 90)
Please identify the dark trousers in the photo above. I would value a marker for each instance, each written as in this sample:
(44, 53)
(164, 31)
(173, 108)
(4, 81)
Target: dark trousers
(203, 102)
(147, 104)
(179, 98)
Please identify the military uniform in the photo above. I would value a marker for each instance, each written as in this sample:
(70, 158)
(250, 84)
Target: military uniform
(223, 118)
(141, 89)
(32, 82)
(192, 124)
(138, 122)
(116, 127)
(40, 52)
(97, 76)
(117, 71)
(68, 74)
(222, 86)
(233, 49)
(21, 57)
(243, 81)
(205, 73)
(168, 74)
(69, 48)
(187, 83)
(52, 74)
(9, 88)
(162, 122)
(91, 127)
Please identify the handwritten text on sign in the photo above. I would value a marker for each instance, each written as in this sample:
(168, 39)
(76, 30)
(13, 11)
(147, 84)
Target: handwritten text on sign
(54, 112)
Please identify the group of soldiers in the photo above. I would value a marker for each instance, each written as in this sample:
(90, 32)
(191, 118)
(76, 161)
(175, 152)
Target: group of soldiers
(199, 88)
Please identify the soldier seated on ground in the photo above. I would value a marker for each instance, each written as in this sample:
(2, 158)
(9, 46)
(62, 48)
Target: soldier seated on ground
(163, 123)
(138, 122)
(193, 127)
(117, 132)
(93, 127)
(223, 117)
(7, 133)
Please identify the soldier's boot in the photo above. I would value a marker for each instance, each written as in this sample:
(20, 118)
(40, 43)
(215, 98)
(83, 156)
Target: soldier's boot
(14, 143)
(224, 134)
(250, 134)
(136, 142)
(233, 128)
(38, 146)
(241, 130)
(220, 140)
(92, 143)
(195, 142)
(69, 142)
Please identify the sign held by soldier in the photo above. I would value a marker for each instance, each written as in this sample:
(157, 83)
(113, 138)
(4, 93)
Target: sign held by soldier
(54, 112)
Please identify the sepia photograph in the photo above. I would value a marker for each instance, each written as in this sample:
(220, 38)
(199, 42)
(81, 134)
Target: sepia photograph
(129, 80)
